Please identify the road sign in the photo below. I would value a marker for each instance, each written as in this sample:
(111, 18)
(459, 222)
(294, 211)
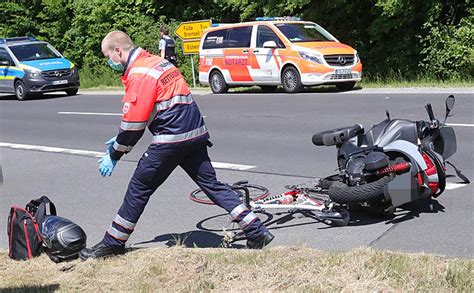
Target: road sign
(192, 30)
(191, 47)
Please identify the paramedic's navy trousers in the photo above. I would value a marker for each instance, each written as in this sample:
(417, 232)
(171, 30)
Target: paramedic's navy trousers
(156, 164)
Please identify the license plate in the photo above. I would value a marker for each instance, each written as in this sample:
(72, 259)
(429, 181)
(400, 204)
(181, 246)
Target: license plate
(343, 71)
(60, 81)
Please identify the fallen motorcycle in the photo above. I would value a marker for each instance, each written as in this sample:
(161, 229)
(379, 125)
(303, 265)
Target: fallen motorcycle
(396, 162)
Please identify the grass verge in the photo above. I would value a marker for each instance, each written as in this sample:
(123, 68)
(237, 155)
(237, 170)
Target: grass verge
(106, 79)
(275, 269)
(399, 81)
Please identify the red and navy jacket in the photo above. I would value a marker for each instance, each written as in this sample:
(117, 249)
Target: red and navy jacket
(157, 96)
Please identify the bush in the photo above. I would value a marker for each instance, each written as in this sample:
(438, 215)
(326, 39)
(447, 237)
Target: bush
(448, 51)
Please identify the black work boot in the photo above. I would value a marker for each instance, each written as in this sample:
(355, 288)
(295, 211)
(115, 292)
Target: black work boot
(101, 250)
(261, 241)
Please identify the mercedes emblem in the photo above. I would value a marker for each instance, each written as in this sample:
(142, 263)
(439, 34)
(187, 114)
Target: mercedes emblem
(341, 60)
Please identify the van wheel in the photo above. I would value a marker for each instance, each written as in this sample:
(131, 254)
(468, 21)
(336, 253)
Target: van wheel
(72, 92)
(218, 84)
(20, 91)
(268, 88)
(345, 86)
(291, 80)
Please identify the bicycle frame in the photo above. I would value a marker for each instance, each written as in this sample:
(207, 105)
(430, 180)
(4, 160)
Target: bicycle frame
(298, 199)
(310, 201)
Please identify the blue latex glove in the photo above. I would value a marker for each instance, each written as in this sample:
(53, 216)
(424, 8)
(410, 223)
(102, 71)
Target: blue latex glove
(110, 144)
(106, 166)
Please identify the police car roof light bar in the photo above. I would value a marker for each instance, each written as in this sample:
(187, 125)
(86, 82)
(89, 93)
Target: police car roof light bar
(17, 39)
(271, 18)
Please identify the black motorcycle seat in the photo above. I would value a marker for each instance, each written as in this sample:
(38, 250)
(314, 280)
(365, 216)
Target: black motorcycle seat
(337, 136)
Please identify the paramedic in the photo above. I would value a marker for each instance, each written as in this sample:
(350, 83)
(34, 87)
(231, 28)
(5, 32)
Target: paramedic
(158, 98)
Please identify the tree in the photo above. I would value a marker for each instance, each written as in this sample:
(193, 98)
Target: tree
(412, 38)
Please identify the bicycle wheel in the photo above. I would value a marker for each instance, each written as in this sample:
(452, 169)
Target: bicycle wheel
(256, 192)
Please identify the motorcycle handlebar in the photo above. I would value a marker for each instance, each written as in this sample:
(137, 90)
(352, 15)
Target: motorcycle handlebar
(429, 109)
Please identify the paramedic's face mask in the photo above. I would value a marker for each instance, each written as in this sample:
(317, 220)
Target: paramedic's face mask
(114, 60)
(115, 66)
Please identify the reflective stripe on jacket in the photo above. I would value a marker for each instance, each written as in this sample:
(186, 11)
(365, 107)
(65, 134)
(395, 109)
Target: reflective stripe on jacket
(157, 97)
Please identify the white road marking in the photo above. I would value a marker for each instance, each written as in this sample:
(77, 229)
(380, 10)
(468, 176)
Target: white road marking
(460, 124)
(47, 149)
(51, 149)
(451, 185)
(219, 165)
(90, 113)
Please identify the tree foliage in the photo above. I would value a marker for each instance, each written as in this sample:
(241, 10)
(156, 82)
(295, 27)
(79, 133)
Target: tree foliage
(430, 37)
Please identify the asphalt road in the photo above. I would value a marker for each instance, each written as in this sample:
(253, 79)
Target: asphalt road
(269, 131)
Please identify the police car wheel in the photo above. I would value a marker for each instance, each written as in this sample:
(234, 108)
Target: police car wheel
(72, 92)
(291, 80)
(20, 91)
(218, 84)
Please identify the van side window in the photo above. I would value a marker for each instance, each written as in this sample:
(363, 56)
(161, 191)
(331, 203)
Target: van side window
(265, 34)
(4, 56)
(215, 39)
(239, 37)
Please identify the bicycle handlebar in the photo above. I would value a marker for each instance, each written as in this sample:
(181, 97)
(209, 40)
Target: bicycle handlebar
(241, 182)
(246, 191)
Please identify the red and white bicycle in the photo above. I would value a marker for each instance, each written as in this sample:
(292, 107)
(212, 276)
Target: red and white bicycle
(310, 198)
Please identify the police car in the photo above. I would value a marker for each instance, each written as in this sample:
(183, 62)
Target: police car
(28, 66)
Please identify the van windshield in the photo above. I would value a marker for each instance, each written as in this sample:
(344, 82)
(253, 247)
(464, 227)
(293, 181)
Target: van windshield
(304, 32)
(37, 51)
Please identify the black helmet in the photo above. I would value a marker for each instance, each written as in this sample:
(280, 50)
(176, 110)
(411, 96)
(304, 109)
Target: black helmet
(63, 238)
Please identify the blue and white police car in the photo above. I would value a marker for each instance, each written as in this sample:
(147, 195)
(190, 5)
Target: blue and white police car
(28, 67)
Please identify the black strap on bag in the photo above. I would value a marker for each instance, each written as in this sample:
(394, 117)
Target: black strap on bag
(37, 208)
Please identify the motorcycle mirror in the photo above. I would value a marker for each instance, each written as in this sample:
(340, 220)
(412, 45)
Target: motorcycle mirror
(449, 105)
(388, 114)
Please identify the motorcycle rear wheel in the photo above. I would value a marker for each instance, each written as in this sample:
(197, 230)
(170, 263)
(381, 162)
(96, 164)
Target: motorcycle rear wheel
(371, 192)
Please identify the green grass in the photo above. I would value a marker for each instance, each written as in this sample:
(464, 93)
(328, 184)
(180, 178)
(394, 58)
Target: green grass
(107, 79)
(397, 79)
(290, 269)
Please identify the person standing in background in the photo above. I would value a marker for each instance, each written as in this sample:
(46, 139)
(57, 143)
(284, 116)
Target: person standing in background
(167, 47)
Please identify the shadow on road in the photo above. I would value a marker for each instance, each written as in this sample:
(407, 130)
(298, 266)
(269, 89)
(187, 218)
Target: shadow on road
(325, 89)
(360, 216)
(197, 238)
(415, 209)
(209, 228)
(273, 221)
(48, 96)
(363, 216)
